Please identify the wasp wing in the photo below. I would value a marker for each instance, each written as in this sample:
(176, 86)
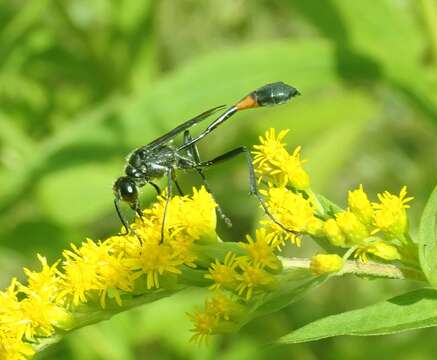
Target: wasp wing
(182, 127)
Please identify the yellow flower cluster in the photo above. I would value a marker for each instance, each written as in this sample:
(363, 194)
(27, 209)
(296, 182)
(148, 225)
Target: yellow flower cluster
(242, 277)
(379, 229)
(286, 187)
(274, 163)
(106, 270)
(109, 272)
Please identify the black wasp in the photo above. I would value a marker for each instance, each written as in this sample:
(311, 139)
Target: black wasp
(161, 158)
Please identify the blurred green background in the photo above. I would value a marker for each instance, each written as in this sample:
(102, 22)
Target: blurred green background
(84, 82)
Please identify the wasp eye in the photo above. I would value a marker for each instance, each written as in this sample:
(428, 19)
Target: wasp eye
(126, 189)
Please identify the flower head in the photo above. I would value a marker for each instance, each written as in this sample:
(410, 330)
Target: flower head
(273, 162)
(224, 275)
(291, 210)
(360, 205)
(352, 228)
(259, 250)
(204, 325)
(223, 307)
(253, 278)
(390, 214)
(379, 249)
(154, 260)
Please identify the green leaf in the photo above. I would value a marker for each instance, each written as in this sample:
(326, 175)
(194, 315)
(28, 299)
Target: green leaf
(375, 30)
(428, 239)
(293, 286)
(77, 194)
(413, 310)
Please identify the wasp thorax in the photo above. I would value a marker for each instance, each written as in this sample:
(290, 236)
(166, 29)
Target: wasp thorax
(126, 189)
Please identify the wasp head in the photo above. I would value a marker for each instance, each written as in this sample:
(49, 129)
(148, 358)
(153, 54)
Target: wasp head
(126, 190)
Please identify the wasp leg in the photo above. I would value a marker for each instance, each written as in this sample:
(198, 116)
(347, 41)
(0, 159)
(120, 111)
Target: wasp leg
(193, 153)
(253, 189)
(128, 229)
(156, 187)
(170, 174)
(178, 187)
(120, 216)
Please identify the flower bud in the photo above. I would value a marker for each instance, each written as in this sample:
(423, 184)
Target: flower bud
(325, 263)
(360, 205)
(334, 233)
(384, 251)
(354, 230)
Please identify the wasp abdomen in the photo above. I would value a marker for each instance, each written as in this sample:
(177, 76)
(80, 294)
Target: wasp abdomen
(274, 94)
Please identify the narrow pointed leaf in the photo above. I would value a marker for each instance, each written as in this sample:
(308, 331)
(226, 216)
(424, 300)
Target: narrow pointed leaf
(413, 310)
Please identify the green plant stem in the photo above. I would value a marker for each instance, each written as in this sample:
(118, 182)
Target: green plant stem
(354, 267)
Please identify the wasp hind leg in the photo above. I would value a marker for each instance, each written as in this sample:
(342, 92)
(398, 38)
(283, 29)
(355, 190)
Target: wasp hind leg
(253, 188)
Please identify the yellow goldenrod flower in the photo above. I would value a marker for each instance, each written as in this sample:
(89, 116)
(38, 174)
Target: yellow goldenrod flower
(360, 205)
(334, 233)
(12, 348)
(40, 316)
(293, 172)
(224, 275)
(202, 216)
(111, 272)
(259, 250)
(378, 248)
(353, 229)
(187, 219)
(390, 215)
(44, 282)
(272, 161)
(252, 278)
(325, 263)
(79, 276)
(204, 326)
(11, 320)
(154, 260)
(291, 210)
(223, 307)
